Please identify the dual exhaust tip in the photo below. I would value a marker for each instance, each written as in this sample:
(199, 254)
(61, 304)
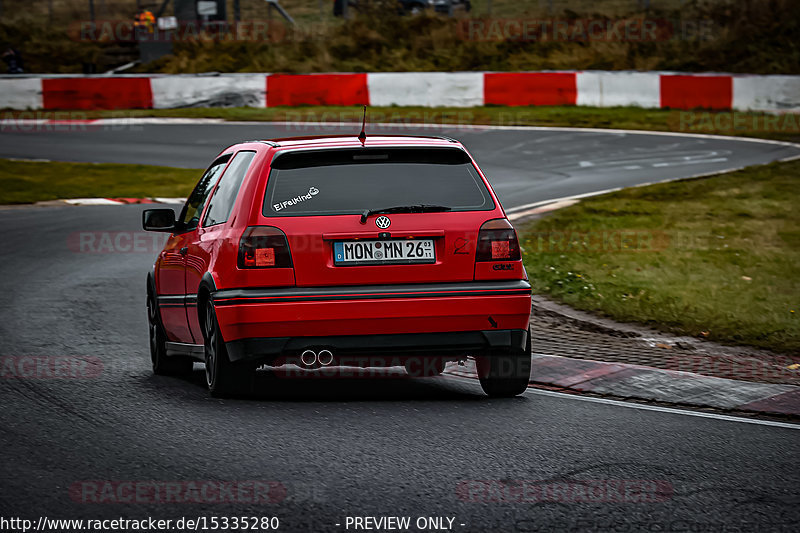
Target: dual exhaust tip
(312, 359)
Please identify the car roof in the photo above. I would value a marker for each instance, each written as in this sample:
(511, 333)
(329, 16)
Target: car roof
(350, 140)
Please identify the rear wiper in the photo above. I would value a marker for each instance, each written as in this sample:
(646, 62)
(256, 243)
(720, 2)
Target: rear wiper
(419, 208)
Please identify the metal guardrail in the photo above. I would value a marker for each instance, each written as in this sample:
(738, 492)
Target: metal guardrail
(274, 4)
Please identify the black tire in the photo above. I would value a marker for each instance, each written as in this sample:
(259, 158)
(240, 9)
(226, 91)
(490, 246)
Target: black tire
(505, 375)
(163, 365)
(424, 367)
(222, 377)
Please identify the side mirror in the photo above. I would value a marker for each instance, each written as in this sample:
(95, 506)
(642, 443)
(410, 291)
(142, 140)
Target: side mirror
(158, 220)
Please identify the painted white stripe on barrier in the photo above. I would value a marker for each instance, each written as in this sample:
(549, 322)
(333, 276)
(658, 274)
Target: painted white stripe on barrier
(427, 89)
(239, 90)
(22, 93)
(92, 201)
(609, 89)
(766, 93)
(170, 200)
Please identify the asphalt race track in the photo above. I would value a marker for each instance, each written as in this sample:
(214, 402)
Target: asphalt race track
(348, 447)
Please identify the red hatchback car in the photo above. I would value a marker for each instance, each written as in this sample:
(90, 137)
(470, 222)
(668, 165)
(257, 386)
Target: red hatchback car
(325, 251)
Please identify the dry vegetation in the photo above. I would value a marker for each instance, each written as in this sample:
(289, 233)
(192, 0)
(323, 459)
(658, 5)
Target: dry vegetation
(754, 36)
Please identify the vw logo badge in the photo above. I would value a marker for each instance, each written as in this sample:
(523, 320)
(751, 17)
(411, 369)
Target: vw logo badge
(383, 222)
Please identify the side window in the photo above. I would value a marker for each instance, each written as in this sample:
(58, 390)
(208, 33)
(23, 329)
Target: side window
(221, 204)
(190, 216)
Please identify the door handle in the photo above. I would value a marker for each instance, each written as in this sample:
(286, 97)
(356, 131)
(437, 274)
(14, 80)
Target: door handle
(184, 250)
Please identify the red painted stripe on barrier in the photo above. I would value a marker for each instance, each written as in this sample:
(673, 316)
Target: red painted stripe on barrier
(133, 200)
(317, 89)
(530, 88)
(689, 92)
(97, 93)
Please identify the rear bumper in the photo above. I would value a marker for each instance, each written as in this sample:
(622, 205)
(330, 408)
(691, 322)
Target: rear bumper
(464, 317)
(354, 348)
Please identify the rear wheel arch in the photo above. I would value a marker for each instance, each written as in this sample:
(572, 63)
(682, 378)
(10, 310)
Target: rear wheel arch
(151, 284)
(153, 293)
(207, 287)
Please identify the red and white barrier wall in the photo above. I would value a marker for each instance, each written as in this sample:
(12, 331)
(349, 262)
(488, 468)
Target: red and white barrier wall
(427, 89)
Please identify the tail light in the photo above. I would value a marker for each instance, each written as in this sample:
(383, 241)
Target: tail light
(264, 247)
(497, 241)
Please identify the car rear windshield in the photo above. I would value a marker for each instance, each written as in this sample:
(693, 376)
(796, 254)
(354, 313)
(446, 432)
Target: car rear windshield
(350, 181)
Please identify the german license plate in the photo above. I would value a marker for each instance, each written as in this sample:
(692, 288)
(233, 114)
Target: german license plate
(406, 251)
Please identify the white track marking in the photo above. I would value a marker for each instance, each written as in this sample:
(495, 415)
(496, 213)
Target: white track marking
(645, 407)
(700, 414)
(522, 210)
